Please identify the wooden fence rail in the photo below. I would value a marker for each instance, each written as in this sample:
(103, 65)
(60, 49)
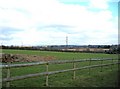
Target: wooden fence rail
(47, 73)
(50, 62)
(52, 72)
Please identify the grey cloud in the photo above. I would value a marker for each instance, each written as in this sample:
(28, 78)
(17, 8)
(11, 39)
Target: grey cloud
(6, 38)
(8, 30)
(58, 27)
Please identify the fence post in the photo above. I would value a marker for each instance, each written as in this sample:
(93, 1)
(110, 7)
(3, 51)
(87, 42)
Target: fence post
(8, 74)
(74, 70)
(112, 65)
(47, 74)
(101, 70)
(101, 64)
(89, 65)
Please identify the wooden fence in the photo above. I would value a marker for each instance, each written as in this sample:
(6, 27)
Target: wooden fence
(47, 73)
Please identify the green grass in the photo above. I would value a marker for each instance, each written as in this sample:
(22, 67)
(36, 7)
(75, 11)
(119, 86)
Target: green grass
(62, 55)
(96, 78)
(83, 79)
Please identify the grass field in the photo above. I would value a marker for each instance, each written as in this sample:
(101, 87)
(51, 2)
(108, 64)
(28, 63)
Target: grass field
(106, 78)
(62, 55)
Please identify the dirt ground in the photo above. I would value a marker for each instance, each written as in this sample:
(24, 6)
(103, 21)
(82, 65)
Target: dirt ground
(24, 58)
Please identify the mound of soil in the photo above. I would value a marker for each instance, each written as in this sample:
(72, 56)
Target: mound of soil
(24, 58)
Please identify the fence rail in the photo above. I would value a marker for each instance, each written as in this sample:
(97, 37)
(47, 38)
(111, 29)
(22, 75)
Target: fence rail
(47, 73)
(50, 62)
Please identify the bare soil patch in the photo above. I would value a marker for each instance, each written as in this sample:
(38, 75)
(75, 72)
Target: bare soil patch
(24, 58)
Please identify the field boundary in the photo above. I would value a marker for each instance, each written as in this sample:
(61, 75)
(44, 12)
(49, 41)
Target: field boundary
(47, 73)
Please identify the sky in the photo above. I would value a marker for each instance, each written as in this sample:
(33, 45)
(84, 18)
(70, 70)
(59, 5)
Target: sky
(48, 22)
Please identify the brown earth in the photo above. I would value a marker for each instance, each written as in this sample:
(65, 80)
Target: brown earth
(24, 58)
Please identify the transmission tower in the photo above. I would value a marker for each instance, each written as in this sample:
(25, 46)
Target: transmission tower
(66, 42)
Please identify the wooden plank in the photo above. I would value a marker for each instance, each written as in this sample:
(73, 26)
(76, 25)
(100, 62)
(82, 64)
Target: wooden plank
(47, 74)
(50, 62)
(101, 66)
(74, 73)
(112, 65)
(89, 65)
(53, 72)
(23, 65)
(8, 75)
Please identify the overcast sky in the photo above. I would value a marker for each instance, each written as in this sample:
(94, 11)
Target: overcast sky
(48, 22)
